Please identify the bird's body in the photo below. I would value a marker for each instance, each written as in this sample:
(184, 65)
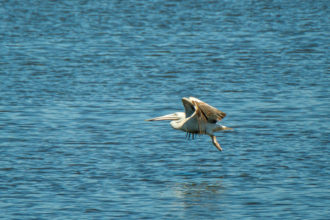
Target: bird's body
(198, 118)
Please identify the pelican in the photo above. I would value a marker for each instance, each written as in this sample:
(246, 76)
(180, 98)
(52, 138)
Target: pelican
(198, 118)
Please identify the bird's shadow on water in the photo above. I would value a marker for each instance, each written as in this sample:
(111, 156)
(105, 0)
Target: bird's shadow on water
(206, 194)
(194, 189)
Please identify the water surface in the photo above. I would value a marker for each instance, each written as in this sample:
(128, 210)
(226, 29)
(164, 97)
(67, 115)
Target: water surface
(78, 78)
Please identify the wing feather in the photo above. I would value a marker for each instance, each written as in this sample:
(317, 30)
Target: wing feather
(212, 114)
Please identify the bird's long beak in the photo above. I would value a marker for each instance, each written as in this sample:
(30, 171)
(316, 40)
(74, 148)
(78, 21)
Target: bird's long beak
(165, 117)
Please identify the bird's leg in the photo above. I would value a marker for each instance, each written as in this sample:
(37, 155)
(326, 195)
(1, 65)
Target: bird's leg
(215, 142)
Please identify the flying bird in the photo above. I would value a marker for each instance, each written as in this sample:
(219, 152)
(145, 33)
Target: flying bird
(198, 118)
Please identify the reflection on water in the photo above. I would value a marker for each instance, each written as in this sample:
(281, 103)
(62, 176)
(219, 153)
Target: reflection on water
(199, 193)
(199, 198)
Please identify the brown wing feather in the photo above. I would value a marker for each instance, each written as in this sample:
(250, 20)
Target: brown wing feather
(201, 119)
(211, 114)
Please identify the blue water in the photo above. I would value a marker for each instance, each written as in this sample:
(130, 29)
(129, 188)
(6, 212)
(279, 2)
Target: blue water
(78, 78)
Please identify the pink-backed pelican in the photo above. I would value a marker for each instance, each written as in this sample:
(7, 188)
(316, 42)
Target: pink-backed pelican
(198, 118)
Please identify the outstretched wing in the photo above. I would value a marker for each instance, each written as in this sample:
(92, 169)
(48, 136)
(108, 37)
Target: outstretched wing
(211, 114)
